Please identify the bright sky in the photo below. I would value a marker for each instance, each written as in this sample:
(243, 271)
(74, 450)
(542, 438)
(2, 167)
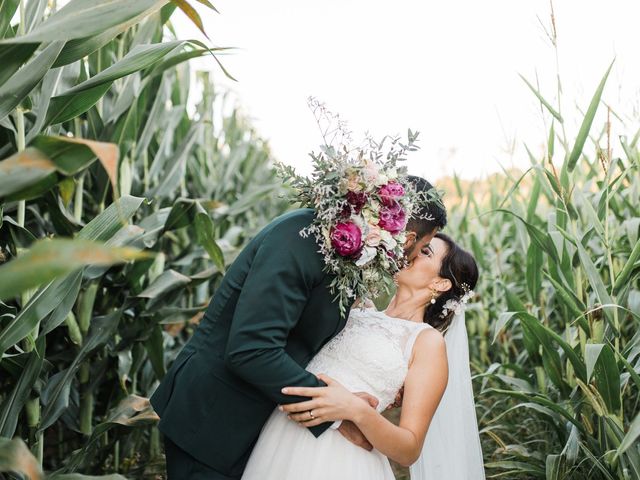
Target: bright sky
(447, 69)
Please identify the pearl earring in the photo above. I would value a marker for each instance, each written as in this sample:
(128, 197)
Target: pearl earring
(433, 297)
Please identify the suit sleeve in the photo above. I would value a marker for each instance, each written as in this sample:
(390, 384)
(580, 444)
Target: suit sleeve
(272, 299)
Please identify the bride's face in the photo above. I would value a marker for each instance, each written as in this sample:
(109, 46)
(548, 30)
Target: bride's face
(414, 246)
(424, 271)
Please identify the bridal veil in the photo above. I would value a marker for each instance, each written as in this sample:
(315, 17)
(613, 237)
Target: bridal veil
(452, 449)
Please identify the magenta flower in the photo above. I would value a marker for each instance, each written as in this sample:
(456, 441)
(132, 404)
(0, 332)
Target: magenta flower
(357, 200)
(392, 218)
(390, 192)
(346, 238)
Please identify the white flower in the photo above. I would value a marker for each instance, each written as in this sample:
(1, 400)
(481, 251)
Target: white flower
(387, 240)
(373, 235)
(370, 174)
(457, 306)
(359, 221)
(368, 254)
(382, 180)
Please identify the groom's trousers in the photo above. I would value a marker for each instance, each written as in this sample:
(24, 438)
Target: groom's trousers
(182, 466)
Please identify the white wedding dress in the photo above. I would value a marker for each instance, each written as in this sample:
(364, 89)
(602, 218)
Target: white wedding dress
(370, 354)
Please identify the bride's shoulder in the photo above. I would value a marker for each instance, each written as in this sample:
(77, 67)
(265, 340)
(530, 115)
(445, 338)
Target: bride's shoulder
(429, 344)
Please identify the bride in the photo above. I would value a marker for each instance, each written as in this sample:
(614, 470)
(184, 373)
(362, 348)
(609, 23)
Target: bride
(420, 342)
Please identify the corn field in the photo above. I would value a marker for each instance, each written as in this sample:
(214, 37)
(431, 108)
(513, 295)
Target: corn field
(554, 338)
(120, 210)
(124, 196)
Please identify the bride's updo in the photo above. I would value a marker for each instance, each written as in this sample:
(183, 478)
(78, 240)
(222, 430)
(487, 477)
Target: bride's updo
(460, 268)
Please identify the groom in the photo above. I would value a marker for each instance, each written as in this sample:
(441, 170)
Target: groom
(270, 315)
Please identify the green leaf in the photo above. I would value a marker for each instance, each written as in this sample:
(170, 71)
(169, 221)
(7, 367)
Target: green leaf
(503, 320)
(79, 48)
(568, 297)
(65, 108)
(55, 395)
(109, 222)
(591, 354)
(83, 96)
(7, 10)
(625, 274)
(29, 168)
(85, 18)
(48, 298)
(550, 357)
(536, 235)
(43, 302)
(543, 101)
(586, 123)
(534, 270)
(205, 235)
(630, 437)
(51, 258)
(139, 58)
(192, 13)
(59, 314)
(12, 57)
(14, 401)
(181, 215)
(594, 277)
(131, 412)
(607, 376)
(154, 346)
(168, 281)
(71, 155)
(555, 467)
(15, 90)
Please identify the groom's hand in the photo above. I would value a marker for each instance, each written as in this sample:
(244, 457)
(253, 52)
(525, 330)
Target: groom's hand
(352, 433)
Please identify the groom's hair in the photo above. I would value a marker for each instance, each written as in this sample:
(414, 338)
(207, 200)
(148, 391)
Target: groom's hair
(430, 215)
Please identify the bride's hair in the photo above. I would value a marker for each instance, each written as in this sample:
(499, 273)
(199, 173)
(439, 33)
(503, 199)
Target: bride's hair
(460, 268)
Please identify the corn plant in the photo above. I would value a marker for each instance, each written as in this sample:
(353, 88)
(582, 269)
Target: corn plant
(554, 339)
(120, 209)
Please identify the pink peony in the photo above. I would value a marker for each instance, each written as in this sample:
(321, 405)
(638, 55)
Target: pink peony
(390, 192)
(346, 238)
(392, 218)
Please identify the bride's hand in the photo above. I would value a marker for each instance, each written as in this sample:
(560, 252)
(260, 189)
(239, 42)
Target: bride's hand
(327, 404)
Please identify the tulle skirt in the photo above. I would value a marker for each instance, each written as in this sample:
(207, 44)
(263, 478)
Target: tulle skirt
(288, 451)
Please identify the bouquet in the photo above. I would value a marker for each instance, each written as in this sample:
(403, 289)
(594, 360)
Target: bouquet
(362, 201)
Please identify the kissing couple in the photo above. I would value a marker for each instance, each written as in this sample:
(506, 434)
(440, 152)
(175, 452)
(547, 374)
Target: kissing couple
(289, 370)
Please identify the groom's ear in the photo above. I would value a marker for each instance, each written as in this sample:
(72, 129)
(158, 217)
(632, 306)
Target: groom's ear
(410, 238)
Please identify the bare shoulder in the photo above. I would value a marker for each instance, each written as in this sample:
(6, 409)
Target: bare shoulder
(429, 345)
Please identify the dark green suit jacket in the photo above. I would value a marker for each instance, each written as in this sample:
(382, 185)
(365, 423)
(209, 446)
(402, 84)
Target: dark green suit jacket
(271, 314)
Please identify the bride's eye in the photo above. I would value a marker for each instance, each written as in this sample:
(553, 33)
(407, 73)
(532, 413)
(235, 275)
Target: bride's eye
(427, 250)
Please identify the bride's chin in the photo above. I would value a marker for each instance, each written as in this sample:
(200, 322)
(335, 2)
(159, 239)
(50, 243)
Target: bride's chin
(400, 279)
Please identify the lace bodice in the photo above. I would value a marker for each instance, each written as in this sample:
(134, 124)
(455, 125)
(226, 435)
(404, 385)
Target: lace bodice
(371, 354)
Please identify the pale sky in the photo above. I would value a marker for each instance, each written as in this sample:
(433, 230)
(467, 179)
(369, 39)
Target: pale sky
(447, 69)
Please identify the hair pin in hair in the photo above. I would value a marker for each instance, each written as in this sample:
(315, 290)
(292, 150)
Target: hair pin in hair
(457, 306)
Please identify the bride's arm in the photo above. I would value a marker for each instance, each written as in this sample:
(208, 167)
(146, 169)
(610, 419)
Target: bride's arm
(423, 389)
